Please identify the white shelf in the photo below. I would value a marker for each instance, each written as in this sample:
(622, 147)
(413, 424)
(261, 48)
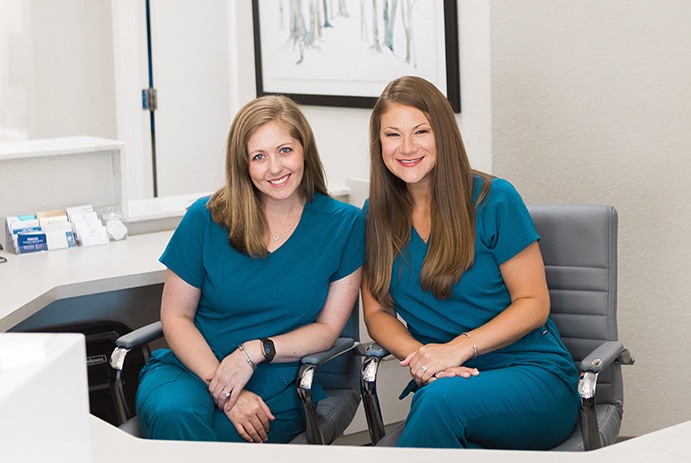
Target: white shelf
(56, 147)
(56, 173)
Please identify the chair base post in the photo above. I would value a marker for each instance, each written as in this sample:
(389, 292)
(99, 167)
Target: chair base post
(304, 389)
(370, 400)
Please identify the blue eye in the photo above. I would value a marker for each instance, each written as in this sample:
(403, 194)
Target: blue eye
(285, 149)
(258, 157)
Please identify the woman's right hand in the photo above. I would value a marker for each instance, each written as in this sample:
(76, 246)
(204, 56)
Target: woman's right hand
(433, 361)
(229, 379)
(251, 417)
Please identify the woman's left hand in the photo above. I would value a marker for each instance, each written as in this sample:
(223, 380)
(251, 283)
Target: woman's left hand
(429, 359)
(251, 417)
(229, 379)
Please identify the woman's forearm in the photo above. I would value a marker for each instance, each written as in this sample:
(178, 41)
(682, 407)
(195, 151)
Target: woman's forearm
(389, 332)
(292, 346)
(320, 335)
(517, 320)
(189, 346)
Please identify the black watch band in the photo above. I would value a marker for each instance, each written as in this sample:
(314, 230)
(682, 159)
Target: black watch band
(268, 349)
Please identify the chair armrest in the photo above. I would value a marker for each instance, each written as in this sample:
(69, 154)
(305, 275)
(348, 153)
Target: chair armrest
(604, 355)
(373, 353)
(341, 346)
(140, 336)
(305, 380)
(123, 345)
(372, 349)
(133, 339)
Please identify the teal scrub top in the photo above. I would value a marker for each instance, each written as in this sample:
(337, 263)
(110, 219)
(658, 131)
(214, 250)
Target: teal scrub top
(245, 298)
(503, 229)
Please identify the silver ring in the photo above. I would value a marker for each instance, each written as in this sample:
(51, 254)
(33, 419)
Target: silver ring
(436, 375)
(423, 368)
(226, 394)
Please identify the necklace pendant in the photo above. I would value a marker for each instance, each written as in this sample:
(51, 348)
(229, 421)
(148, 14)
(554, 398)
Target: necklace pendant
(275, 236)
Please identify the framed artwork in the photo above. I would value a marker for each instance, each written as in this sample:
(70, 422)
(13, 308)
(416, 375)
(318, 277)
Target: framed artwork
(344, 52)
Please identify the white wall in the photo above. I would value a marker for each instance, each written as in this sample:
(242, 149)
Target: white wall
(13, 116)
(591, 103)
(71, 81)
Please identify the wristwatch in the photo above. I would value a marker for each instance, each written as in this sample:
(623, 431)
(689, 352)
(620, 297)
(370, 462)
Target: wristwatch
(268, 349)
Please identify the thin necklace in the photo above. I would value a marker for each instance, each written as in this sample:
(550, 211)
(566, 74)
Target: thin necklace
(277, 236)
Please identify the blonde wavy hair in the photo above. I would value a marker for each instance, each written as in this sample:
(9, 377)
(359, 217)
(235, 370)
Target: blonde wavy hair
(238, 205)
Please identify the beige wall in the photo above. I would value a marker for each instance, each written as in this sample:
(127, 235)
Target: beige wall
(591, 103)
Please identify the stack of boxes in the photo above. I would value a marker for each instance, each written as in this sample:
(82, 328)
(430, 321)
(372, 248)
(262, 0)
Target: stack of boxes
(88, 228)
(58, 229)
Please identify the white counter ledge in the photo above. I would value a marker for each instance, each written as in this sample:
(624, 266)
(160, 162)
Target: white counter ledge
(29, 282)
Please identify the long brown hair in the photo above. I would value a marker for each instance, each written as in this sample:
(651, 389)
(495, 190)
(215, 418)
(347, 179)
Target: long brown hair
(389, 223)
(238, 205)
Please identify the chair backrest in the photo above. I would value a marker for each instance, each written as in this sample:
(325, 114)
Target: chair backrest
(579, 248)
(344, 372)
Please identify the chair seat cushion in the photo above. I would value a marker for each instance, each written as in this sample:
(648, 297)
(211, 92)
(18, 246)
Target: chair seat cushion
(609, 422)
(335, 414)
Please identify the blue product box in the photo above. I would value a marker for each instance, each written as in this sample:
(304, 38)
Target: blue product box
(31, 242)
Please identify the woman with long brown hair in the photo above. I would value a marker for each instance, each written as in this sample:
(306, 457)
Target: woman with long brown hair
(455, 254)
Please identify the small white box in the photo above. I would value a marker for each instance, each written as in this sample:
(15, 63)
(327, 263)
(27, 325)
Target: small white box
(60, 239)
(51, 219)
(75, 210)
(93, 236)
(83, 217)
(57, 226)
(23, 222)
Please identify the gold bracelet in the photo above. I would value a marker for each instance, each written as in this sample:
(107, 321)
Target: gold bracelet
(241, 346)
(474, 345)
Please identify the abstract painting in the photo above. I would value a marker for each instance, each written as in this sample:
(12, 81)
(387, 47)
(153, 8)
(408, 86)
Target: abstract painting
(344, 52)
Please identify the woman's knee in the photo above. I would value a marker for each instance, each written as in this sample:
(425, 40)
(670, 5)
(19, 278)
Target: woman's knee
(433, 398)
(169, 395)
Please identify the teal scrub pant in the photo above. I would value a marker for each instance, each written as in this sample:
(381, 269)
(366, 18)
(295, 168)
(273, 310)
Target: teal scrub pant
(174, 404)
(520, 408)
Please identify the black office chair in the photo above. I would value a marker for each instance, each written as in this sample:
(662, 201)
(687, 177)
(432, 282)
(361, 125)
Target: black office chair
(337, 370)
(579, 248)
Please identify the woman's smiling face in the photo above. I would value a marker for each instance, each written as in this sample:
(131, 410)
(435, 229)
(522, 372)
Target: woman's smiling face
(408, 146)
(276, 161)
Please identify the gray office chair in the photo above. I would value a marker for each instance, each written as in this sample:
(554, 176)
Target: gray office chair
(337, 370)
(579, 248)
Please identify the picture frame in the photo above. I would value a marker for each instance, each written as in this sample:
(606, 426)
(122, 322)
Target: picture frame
(345, 58)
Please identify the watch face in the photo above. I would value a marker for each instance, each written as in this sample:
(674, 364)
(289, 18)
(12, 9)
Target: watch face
(269, 349)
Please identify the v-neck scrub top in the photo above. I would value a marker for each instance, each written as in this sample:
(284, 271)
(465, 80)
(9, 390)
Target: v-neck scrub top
(504, 228)
(245, 298)
(526, 393)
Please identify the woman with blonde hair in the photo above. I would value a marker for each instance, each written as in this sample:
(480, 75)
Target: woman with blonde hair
(248, 291)
(455, 254)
